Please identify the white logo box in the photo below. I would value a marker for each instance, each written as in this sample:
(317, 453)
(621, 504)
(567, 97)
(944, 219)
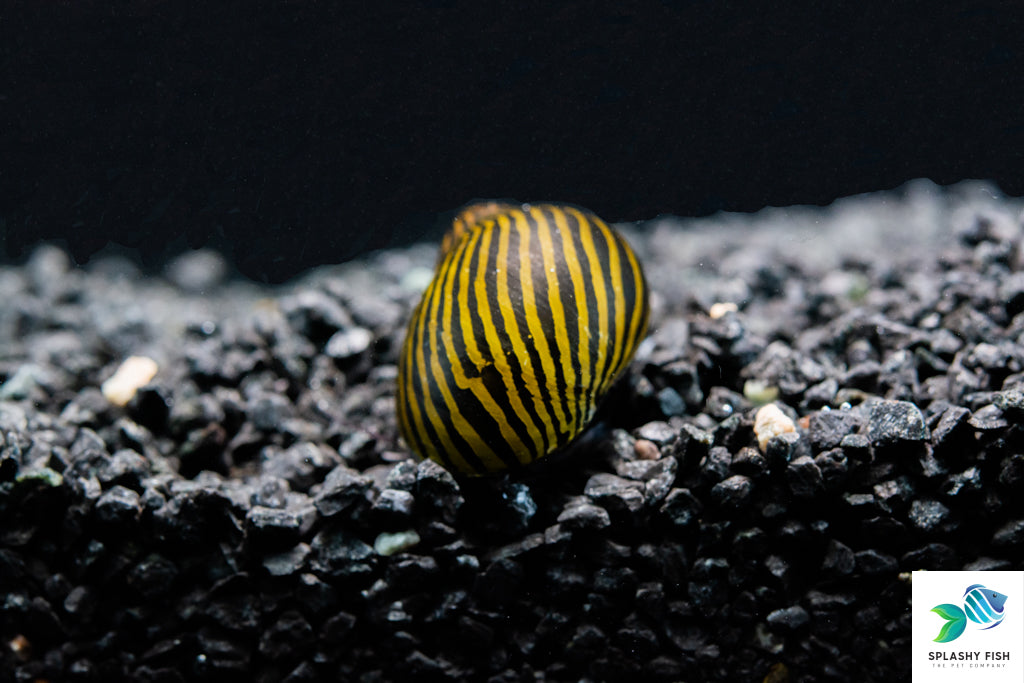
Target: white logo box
(983, 652)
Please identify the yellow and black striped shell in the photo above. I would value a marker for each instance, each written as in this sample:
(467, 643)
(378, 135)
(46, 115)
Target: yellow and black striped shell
(532, 313)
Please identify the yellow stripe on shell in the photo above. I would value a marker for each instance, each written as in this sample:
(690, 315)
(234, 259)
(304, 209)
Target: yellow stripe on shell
(474, 384)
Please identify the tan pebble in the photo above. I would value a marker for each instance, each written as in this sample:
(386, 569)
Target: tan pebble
(133, 374)
(21, 647)
(646, 450)
(771, 421)
(777, 674)
(719, 309)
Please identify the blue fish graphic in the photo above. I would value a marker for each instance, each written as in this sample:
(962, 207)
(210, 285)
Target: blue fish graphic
(983, 606)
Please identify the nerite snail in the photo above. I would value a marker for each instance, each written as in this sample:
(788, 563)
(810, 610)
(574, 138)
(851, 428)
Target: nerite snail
(532, 314)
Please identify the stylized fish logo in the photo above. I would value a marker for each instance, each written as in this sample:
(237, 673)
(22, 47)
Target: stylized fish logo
(982, 605)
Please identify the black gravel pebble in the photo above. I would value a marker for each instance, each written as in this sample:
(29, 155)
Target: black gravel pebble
(892, 422)
(252, 515)
(838, 560)
(733, 492)
(580, 514)
(616, 494)
(788, 618)
(804, 478)
(341, 490)
(118, 506)
(827, 428)
(682, 508)
(1010, 534)
(928, 515)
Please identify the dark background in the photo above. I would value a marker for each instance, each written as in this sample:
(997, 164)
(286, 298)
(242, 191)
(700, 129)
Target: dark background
(289, 134)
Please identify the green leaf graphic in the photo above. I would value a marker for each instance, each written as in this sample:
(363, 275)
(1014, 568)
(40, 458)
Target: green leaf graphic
(948, 612)
(955, 624)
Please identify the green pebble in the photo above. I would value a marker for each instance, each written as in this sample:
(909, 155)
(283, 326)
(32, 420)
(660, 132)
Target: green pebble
(43, 474)
(759, 392)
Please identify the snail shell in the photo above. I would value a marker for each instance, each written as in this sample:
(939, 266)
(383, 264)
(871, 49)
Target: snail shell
(532, 313)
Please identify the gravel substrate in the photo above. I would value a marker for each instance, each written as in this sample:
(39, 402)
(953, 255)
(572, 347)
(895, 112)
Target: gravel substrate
(251, 515)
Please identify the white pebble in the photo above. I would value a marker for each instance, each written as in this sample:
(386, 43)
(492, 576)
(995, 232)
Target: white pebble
(135, 372)
(389, 544)
(720, 309)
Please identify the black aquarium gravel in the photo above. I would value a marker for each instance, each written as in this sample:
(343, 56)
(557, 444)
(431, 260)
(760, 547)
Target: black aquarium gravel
(250, 514)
